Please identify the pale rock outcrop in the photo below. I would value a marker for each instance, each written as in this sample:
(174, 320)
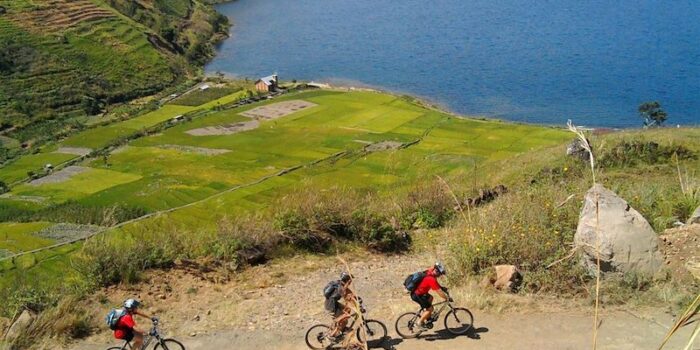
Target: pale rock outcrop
(694, 217)
(626, 241)
(504, 277)
(21, 323)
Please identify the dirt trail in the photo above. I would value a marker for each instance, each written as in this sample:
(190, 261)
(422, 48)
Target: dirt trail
(270, 307)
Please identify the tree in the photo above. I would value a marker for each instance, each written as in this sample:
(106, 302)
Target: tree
(652, 113)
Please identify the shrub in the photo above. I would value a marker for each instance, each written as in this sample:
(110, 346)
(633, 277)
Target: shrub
(630, 153)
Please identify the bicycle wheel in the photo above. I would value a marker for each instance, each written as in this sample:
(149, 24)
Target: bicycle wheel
(317, 337)
(459, 321)
(169, 344)
(407, 325)
(376, 333)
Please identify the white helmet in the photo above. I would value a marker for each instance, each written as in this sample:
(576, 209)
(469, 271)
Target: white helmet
(130, 304)
(440, 268)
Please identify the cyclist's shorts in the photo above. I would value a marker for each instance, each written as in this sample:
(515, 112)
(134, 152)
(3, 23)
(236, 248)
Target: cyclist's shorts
(127, 335)
(425, 301)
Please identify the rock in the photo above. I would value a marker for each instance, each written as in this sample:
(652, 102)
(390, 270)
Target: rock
(2, 10)
(196, 318)
(695, 217)
(21, 323)
(576, 149)
(193, 334)
(503, 277)
(627, 243)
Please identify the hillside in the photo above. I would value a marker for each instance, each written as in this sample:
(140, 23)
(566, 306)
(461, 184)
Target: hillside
(61, 61)
(319, 172)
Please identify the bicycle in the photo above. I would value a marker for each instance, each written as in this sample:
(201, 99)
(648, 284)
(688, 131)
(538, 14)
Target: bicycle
(318, 337)
(458, 320)
(154, 333)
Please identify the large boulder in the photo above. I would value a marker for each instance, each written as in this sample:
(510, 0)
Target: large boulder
(694, 217)
(21, 323)
(626, 241)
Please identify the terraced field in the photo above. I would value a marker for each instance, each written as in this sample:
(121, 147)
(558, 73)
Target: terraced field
(55, 53)
(328, 144)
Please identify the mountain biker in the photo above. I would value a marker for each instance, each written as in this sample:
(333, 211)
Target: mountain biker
(421, 294)
(126, 326)
(340, 310)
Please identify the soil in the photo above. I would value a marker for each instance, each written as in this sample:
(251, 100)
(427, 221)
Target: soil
(60, 176)
(271, 306)
(277, 110)
(681, 250)
(224, 129)
(383, 146)
(198, 150)
(78, 151)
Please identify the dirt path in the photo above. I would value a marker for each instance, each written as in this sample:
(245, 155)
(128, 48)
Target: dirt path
(270, 307)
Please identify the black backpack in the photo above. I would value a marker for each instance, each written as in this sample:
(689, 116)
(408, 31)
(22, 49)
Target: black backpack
(332, 290)
(332, 294)
(413, 280)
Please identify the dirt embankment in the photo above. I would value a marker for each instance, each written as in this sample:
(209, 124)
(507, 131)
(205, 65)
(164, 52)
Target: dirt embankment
(271, 306)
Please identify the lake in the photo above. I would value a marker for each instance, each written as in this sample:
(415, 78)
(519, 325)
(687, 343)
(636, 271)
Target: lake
(528, 61)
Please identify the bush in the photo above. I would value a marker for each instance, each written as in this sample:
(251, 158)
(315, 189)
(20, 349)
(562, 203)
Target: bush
(630, 153)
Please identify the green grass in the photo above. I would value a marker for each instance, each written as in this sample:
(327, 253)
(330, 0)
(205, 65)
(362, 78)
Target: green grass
(200, 97)
(153, 175)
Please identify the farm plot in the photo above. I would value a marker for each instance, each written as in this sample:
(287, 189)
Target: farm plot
(19, 237)
(77, 184)
(18, 170)
(102, 136)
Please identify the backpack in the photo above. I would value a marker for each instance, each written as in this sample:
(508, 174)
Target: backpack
(113, 318)
(332, 294)
(413, 280)
(332, 290)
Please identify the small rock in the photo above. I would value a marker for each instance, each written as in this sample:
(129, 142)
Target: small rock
(161, 296)
(196, 318)
(193, 334)
(208, 312)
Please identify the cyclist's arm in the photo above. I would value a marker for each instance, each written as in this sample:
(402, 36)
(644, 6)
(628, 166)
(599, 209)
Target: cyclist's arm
(442, 294)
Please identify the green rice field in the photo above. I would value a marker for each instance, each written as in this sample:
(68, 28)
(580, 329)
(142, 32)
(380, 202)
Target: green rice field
(200, 177)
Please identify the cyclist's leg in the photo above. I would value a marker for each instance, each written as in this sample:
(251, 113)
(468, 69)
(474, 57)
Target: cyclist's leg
(427, 305)
(138, 340)
(336, 314)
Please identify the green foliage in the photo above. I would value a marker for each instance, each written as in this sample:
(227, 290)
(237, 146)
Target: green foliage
(72, 212)
(634, 152)
(652, 113)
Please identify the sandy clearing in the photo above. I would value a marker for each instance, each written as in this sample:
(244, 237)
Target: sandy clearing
(384, 146)
(60, 176)
(198, 150)
(224, 129)
(78, 151)
(277, 110)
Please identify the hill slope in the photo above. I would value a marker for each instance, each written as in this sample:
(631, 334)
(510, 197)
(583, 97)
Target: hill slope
(61, 60)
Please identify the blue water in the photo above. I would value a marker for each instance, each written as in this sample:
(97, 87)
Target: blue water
(532, 61)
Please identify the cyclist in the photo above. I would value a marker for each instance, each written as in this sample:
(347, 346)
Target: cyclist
(126, 326)
(341, 300)
(421, 294)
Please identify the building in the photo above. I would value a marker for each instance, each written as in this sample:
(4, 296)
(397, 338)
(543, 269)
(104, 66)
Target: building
(267, 84)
